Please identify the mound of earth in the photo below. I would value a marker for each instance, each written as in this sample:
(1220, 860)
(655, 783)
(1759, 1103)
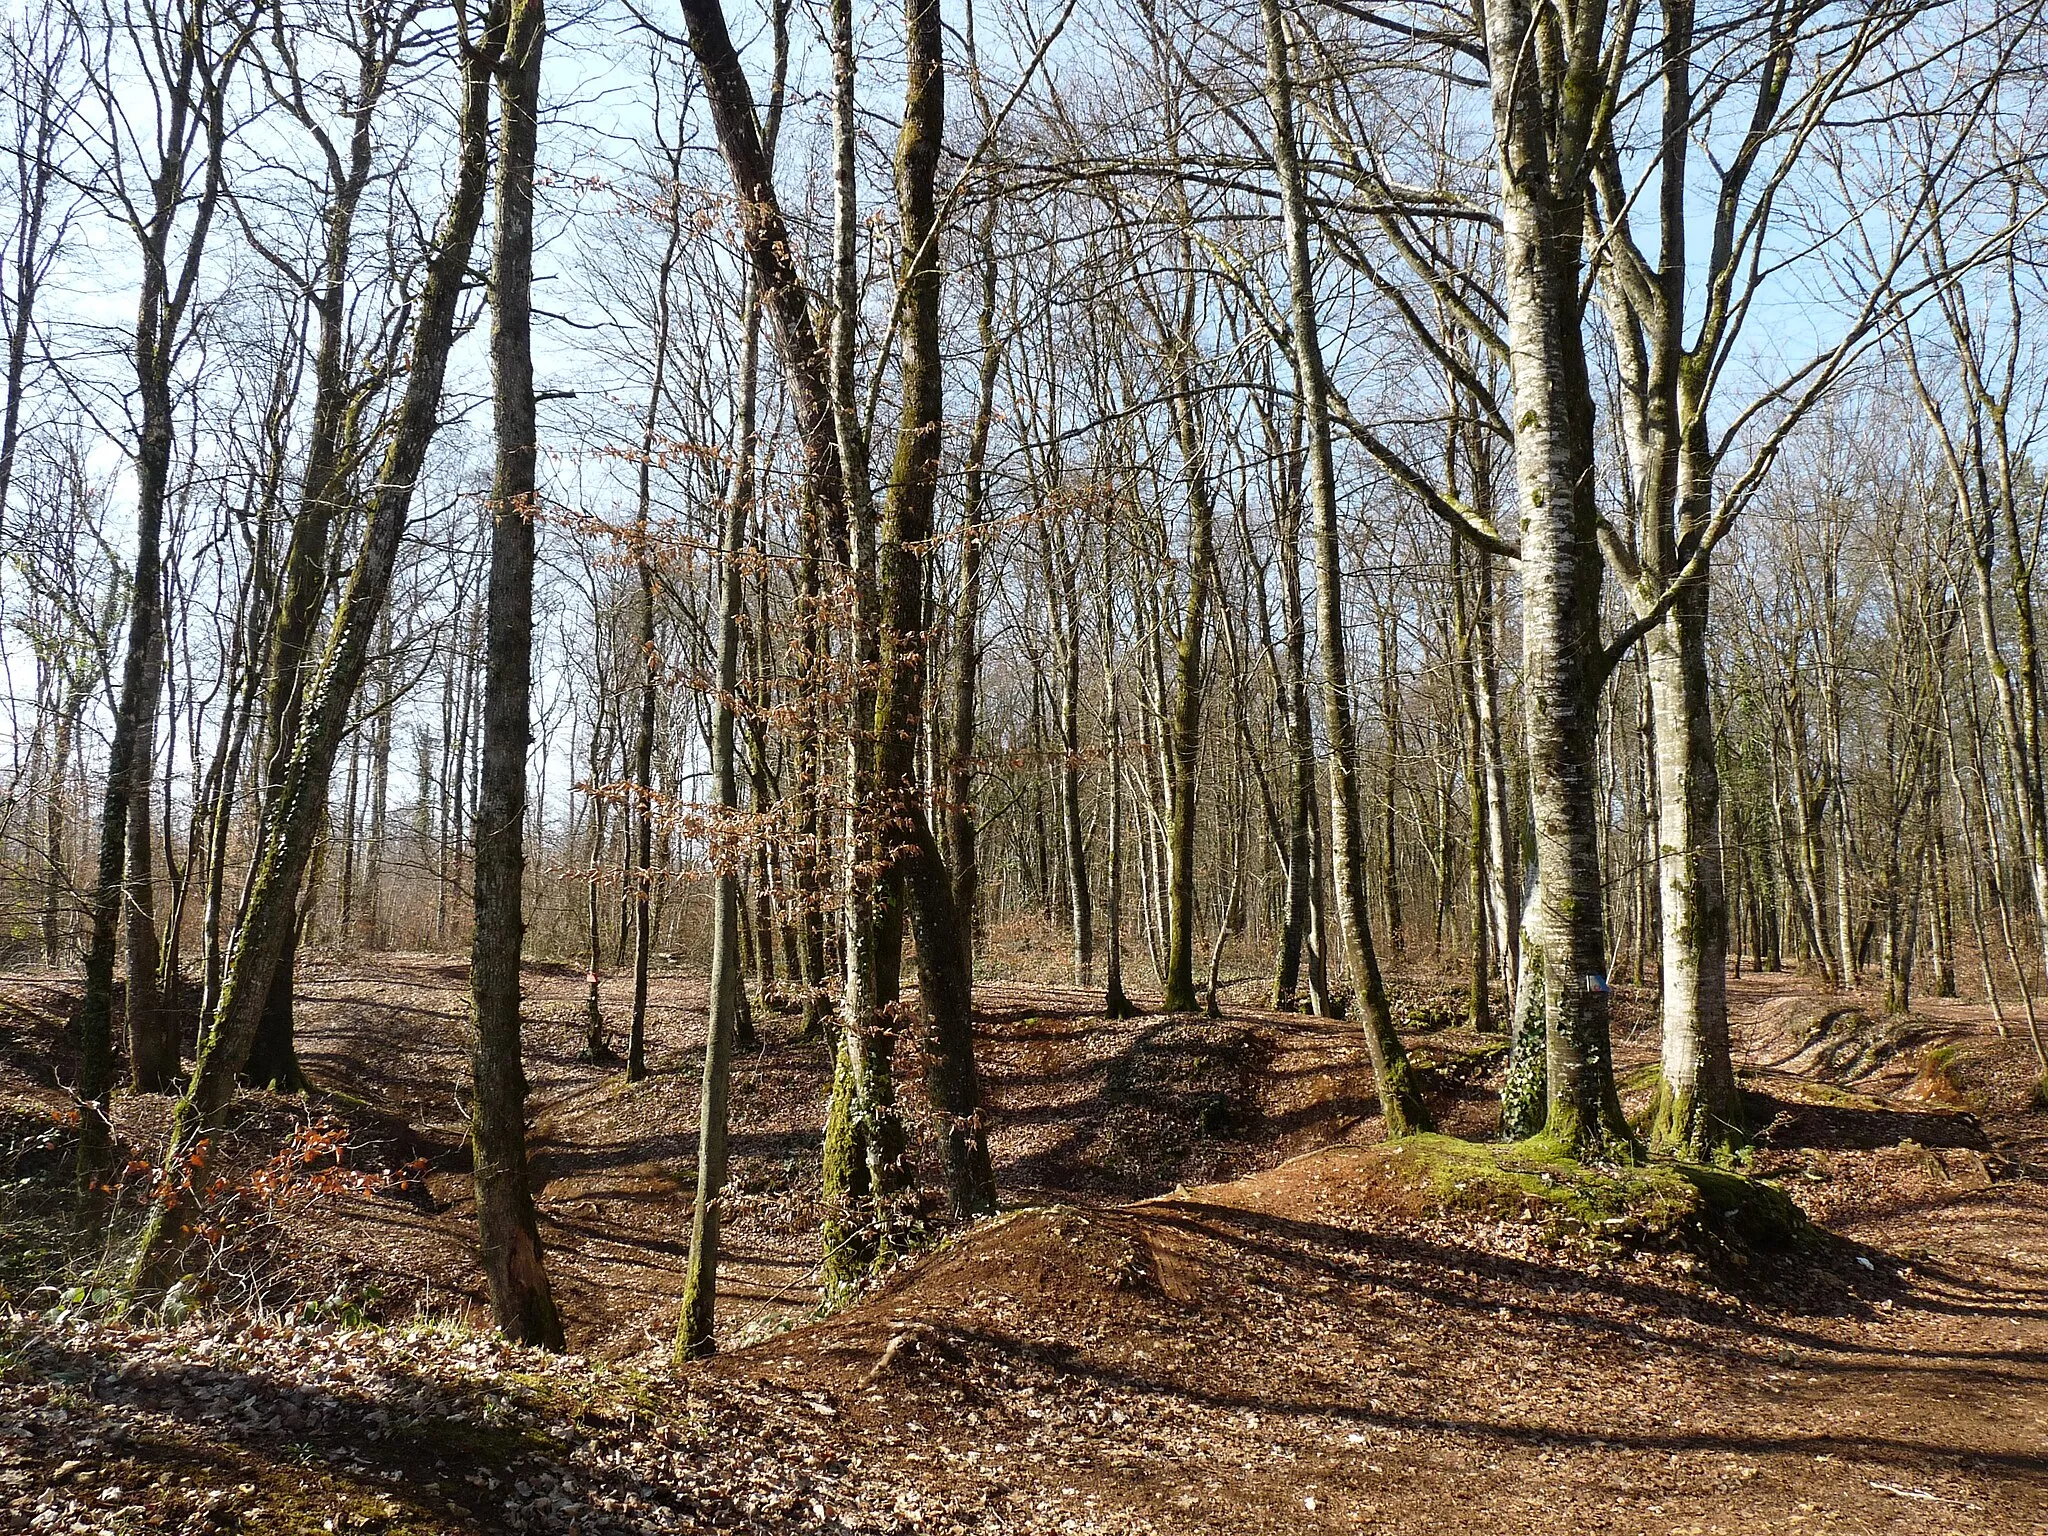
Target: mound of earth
(1217, 1337)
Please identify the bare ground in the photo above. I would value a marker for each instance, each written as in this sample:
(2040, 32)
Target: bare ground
(1210, 1311)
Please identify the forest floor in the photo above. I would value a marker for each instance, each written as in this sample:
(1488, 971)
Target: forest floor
(1213, 1303)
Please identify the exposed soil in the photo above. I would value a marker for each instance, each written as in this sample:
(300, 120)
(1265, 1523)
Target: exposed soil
(1214, 1307)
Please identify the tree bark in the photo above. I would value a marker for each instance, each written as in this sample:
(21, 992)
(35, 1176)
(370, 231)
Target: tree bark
(292, 824)
(962, 854)
(1698, 1107)
(952, 1079)
(508, 1228)
(1116, 1003)
(1184, 736)
(1401, 1103)
(1478, 999)
(697, 1336)
(1545, 98)
(152, 1033)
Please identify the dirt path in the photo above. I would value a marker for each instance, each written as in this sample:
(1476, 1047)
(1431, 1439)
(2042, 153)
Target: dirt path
(1213, 1320)
(1086, 1111)
(1283, 1353)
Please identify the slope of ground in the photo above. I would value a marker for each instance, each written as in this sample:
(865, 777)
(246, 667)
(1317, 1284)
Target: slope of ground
(1212, 1318)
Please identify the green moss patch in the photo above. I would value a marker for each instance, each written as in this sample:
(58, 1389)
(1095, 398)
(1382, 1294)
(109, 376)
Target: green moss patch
(1444, 1064)
(1660, 1205)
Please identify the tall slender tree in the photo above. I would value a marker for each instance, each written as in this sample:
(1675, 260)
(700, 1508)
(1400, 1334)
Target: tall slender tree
(507, 1227)
(1401, 1102)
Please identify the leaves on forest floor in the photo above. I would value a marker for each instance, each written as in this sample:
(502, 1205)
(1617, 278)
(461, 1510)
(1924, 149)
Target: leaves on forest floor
(1337, 1341)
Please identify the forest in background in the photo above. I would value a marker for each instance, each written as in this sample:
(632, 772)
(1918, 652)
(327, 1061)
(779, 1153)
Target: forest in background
(826, 496)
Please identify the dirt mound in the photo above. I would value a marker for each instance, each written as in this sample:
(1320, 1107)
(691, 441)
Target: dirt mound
(1066, 1278)
(1194, 1073)
(1111, 1110)
(1663, 1207)
(1836, 1041)
(1352, 1341)
(1789, 1113)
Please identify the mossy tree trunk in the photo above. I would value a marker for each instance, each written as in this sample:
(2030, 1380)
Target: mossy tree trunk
(951, 1077)
(1548, 115)
(863, 1145)
(332, 458)
(1698, 1109)
(871, 889)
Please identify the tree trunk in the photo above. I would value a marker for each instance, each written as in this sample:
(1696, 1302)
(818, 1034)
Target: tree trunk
(57, 867)
(374, 851)
(1478, 1000)
(1390, 715)
(152, 1032)
(344, 920)
(1116, 1004)
(952, 1079)
(128, 751)
(1057, 563)
(1184, 740)
(292, 824)
(1503, 847)
(1401, 1104)
(1543, 118)
(595, 1047)
(697, 1335)
(508, 1229)
(961, 851)
(1698, 1107)
(640, 886)
(1304, 854)
(870, 914)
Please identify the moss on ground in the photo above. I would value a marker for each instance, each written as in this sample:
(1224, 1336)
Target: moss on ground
(1647, 1078)
(1826, 1095)
(1449, 1064)
(1654, 1205)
